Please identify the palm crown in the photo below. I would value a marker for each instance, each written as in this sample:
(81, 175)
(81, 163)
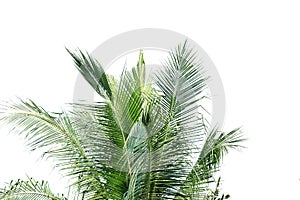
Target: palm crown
(138, 142)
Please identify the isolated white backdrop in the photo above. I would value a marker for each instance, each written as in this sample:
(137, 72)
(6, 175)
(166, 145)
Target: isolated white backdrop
(255, 46)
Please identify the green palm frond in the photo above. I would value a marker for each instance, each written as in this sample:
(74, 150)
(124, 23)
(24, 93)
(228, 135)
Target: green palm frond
(181, 81)
(216, 146)
(103, 142)
(56, 136)
(92, 71)
(179, 84)
(29, 189)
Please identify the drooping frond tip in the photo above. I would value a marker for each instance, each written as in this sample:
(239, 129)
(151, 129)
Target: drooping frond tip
(92, 71)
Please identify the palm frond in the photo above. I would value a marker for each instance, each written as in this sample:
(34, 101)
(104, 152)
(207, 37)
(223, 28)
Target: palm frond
(92, 71)
(56, 136)
(216, 146)
(29, 190)
(179, 84)
(218, 143)
(103, 141)
(181, 81)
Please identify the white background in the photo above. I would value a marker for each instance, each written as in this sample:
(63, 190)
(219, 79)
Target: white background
(255, 46)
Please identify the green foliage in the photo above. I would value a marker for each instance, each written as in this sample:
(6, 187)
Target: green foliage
(29, 189)
(137, 143)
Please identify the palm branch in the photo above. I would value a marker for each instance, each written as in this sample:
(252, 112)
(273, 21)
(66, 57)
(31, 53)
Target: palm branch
(138, 142)
(29, 189)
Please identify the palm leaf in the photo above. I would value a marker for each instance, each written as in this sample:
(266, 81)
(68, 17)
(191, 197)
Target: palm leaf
(29, 190)
(56, 136)
(179, 83)
(92, 71)
(216, 146)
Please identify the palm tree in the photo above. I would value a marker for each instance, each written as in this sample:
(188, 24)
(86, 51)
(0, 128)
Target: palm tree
(138, 142)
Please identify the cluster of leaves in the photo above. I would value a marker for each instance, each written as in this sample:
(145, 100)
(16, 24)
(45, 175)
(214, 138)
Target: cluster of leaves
(138, 142)
(30, 189)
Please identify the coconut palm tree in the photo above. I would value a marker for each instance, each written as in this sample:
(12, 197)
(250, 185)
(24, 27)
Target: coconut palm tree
(146, 138)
